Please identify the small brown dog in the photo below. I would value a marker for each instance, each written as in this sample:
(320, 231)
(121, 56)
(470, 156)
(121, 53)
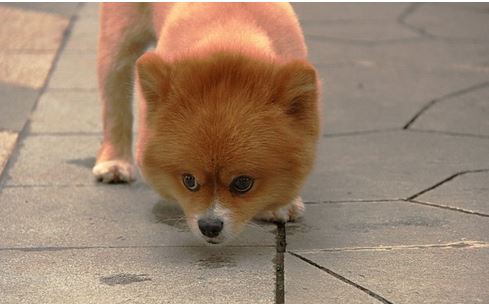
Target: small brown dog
(229, 115)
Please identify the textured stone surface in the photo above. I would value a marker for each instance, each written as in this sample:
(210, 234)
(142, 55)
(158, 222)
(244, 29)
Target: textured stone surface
(348, 12)
(7, 144)
(30, 30)
(29, 38)
(390, 165)
(139, 275)
(469, 192)
(359, 33)
(106, 215)
(421, 55)
(429, 275)
(360, 224)
(61, 111)
(371, 95)
(89, 9)
(465, 114)
(452, 22)
(14, 117)
(24, 69)
(307, 284)
(84, 36)
(52, 160)
(75, 70)
(62, 9)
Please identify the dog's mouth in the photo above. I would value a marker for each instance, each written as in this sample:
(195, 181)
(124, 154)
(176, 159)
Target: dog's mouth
(213, 242)
(220, 239)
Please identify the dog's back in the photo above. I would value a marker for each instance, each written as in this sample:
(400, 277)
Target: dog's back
(268, 28)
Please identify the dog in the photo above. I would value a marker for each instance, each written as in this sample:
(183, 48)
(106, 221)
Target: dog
(228, 103)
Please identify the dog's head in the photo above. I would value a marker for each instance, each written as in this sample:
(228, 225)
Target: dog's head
(226, 136)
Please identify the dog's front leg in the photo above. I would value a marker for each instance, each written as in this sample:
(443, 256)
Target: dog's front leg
(125, 33)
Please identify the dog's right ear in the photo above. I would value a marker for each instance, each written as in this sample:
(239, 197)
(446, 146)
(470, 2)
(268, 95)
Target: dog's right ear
(154, 78)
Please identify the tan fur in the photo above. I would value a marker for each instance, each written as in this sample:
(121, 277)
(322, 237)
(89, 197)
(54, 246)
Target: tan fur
(227, 92)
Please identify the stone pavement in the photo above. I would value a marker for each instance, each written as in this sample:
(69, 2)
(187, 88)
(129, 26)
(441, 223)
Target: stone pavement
(397, 207)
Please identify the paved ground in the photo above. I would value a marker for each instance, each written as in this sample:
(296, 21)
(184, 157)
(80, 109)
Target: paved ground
(397, 207)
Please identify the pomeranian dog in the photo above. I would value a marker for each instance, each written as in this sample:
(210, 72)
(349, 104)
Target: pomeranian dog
(229, 115)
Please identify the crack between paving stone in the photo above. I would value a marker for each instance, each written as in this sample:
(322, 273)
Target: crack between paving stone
(342, 278)
(435, 101)
(444, 181)
(281, 245)
(90, 90)
(346, 21)
(62, 248)
(25, 129)
(458, 209)
(383, 200)
(353, 133)
(65, 186)
(409, 10)
(448, 133)
(401, 20)
(453, 245)
(66, 134)
(362, 43)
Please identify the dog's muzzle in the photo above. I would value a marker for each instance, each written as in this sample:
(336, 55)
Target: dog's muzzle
(210, 227)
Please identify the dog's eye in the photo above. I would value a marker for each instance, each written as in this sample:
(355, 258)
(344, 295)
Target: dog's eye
(241, 184)
(190, 182)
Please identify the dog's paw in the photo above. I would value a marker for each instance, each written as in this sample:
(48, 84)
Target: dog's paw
(114, 171)
(288, 213)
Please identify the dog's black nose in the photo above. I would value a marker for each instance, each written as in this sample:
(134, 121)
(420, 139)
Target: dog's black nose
(210, 227)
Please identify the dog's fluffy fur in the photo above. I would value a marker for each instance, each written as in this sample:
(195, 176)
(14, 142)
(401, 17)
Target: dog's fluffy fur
(227, 92)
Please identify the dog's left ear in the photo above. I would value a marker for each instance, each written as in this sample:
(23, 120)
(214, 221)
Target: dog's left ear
(154, 79)
(298, 91)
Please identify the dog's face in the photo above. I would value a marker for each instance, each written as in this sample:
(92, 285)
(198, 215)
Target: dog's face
(226, 137)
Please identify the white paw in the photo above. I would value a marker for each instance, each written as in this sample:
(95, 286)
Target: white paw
(288, 213)
(114, 171)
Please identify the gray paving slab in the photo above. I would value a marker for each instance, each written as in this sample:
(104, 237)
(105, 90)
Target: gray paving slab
(89, 9)
(465, 114)
(370, 224)
(14, 117)
(33, 30)
(84, 35)
(55, 160)
(105, 215)
(389, 165)
(75, 70)
(63, 9)
(429, 275)
(139, 275)
(366, 32)
(7, 144)
(66, 111)
(349, 12)
(367, 96)
(26, 69)
(307, 284)
(468, 191)
(420, 55)
(344, 168)
(453, 22)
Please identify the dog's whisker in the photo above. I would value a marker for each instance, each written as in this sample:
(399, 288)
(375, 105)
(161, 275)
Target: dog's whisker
(255, 225)
(173, 219)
